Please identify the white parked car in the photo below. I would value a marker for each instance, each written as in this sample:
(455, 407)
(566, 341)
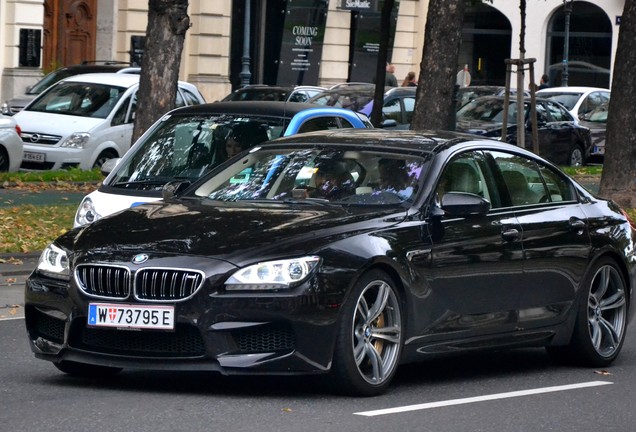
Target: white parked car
(583, 103)
(84, 120)
(10, 144)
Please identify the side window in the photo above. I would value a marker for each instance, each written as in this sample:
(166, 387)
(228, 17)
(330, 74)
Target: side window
(557, 113)
(179, 102)
(298, 96)
(559, 189)
(189, 97)
(120, 116)
(409, 106)
(468, 173)
(542, 114)
(392, 110)
(519, 180)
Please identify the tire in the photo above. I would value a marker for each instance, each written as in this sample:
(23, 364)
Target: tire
(599, 331)
(370, 337)
(4, 160)
(86, 370)
(575, 157)
(103, 157)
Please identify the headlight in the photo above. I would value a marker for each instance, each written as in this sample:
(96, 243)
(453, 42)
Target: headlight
(76, 140)
(54, 263)
(272, 275)
(86, 212)
(5, 109)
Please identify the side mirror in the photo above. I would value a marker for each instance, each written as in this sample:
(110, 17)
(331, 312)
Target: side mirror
(173, 188)
(463, 204)
(388, 123)
(109, 165)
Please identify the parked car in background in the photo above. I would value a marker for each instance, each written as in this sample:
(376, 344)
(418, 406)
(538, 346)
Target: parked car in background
(85, 120)
(346, 254)
(466, 94)
(11, 148)
(274, 93)
(188, 142)
(581, 101)
(397, 110)
(596, 122)
(561, 139)
(16, 104)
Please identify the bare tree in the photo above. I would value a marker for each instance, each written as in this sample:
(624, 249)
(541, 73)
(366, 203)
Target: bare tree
(168, 22)
(434, 104)
(618, 181)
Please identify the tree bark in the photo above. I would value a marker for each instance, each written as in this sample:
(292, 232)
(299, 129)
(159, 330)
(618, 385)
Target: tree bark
(618, 181)
(168, 22)
(434, 105)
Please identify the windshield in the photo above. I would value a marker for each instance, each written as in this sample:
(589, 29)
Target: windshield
(487, 110)
(351, 100)
(184, 148)
(318, 175)
(568, 100)
(79, 99)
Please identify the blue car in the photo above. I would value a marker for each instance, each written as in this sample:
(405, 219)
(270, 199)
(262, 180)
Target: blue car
(188, 142)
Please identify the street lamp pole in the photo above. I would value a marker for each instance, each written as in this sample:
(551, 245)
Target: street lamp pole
(245, 74)
(567, 8)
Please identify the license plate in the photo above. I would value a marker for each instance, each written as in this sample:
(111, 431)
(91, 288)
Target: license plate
(34, 157)
(131, 316)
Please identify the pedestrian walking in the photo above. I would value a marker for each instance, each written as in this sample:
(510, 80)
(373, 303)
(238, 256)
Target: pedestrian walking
(389, 79)
(409, 80)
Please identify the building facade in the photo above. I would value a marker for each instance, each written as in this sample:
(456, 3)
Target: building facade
(313, 42)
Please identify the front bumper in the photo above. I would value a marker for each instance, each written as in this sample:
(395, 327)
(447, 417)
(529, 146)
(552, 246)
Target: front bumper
(56, 157)
(232, 334)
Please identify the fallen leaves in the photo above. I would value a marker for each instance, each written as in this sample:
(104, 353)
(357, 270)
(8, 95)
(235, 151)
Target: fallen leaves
(602, 372)
(30, 228)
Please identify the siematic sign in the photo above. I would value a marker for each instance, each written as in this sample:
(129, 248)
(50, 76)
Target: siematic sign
(357, 4)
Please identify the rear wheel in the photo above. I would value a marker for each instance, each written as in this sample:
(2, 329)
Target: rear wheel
(86, 370)
(599, 331)
(103, 157)
(576, 156)
(369, 340)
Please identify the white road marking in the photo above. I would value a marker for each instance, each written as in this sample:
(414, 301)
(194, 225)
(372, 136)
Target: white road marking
(481, 398)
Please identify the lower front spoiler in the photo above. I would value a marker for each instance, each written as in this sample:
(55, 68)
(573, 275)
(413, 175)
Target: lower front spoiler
(288, 363)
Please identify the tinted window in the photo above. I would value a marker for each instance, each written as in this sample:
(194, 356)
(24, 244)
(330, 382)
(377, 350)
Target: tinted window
(324, 123)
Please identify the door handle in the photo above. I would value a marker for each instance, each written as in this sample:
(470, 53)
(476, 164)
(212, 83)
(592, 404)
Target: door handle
(511, 234)
(577, 225)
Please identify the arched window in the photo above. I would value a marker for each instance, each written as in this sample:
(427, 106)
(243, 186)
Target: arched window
(590, 46)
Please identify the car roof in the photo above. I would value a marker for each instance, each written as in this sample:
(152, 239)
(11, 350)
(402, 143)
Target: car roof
(117, 79)
(263, 108)
(401, 140)
(575, 89)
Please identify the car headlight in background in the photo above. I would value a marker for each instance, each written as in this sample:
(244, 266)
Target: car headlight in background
(86, 212)
(272, 275)
(54, 263)
(76, 140)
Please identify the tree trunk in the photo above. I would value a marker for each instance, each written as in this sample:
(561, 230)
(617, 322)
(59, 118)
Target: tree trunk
(168, 22)
(618, 181)
(434, 105)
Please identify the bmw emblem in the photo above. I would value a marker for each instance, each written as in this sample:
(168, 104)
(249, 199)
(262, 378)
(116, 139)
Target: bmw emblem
(140, 259)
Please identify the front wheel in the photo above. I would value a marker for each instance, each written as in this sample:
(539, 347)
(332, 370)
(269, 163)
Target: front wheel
(576, 158)
(600, 326)
(369, 341)
(103, 157)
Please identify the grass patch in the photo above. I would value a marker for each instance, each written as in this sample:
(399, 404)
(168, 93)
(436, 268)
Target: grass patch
(588, 170)
(29, 228)
(70, 175)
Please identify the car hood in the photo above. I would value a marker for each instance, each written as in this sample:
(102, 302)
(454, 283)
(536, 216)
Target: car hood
(233, 232)
(55, 124)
